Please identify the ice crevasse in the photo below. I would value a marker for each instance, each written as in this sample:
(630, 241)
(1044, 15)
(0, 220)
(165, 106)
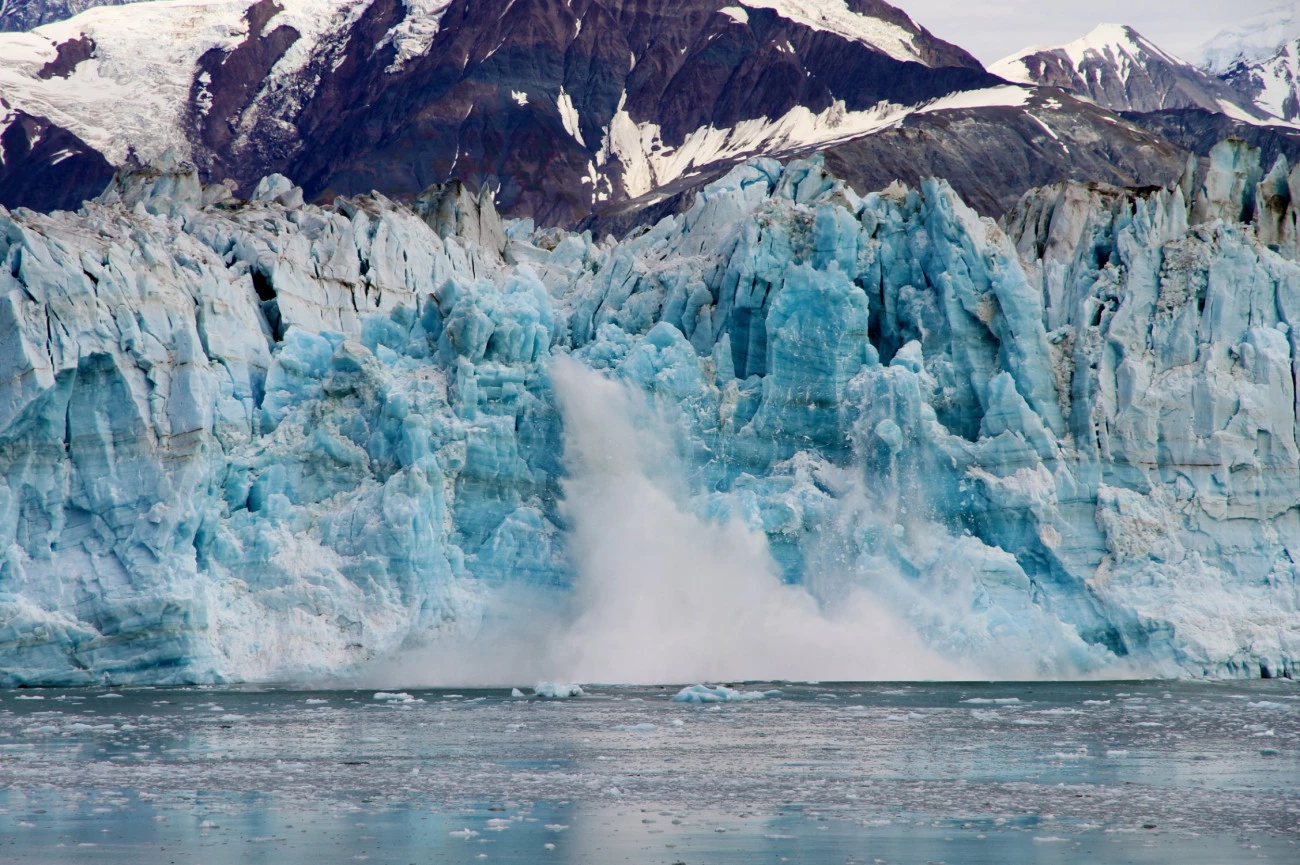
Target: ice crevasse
(261, 440)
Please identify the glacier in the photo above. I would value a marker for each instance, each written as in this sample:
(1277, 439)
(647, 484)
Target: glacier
(267, 440)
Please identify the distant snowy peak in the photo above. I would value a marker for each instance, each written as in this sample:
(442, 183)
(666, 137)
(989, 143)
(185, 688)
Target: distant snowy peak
(1256, 39)
(1119, 69)
(1272, 84)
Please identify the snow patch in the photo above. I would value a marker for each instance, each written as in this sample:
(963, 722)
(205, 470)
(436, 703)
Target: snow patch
(569, 116)
(834, 16)
(735, 13)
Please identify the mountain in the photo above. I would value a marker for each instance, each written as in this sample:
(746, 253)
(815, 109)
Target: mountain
(563, 105)
(1255, 38)
(265, 440)
(1260, 59)
(1117, 68)
(989, 154)
(568, 112)
(1272, 84)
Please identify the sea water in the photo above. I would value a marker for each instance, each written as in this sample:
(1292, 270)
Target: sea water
(1109, 772)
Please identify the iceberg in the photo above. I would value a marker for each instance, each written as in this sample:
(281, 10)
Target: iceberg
(267, 440)
(720, 694)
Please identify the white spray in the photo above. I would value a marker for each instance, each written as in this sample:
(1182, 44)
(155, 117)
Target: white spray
(661, 595)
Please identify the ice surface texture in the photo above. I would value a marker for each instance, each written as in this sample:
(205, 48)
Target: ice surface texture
(265, 440)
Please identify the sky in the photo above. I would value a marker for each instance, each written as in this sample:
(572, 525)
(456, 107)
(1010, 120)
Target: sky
(992, 29)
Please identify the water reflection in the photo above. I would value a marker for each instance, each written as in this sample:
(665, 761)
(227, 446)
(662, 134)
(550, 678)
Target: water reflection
(1097, 772)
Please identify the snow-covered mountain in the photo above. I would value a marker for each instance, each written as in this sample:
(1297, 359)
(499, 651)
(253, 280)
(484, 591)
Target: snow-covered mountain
(1119, 69)
(1260, 59)
(567, 104)
(1254, 38)
(1271, 84)
(565, 108)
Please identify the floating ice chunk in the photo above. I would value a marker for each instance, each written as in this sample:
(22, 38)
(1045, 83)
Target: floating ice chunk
(110, 696)
(992, 700)
(315, 702)
(556, 827)
(516, 693)
(396, 697)
(720, 694)
(636, 728)
(463, 833)
(29, 697)
(557, 691)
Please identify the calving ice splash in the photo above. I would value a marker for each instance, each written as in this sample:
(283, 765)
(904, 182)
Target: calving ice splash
(791, 433)
(662, 590)
(668, 590)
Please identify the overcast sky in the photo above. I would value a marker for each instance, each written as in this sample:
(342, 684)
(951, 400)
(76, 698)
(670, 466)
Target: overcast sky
(992, 29)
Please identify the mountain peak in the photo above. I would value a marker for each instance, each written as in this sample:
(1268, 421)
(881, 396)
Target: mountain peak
(1259, 37)
(1260, 59)
(1118, 68)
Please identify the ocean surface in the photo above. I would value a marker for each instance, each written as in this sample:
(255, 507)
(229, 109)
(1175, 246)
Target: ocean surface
(1153, 772)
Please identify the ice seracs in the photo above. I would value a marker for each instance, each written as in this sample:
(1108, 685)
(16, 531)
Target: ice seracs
(263, 439)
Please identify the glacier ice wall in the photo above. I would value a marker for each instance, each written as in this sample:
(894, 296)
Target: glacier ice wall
(265, 440)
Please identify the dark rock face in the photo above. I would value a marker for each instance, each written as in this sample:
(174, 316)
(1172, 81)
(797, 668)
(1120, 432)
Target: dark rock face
(1198, 131)
(70, 54)
(46, 167)
(991, 156)
(455, 112)
(227, 83)
(19, 15)
(486, 102)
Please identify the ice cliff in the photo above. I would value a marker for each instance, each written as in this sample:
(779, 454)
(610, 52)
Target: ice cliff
(260, 440)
